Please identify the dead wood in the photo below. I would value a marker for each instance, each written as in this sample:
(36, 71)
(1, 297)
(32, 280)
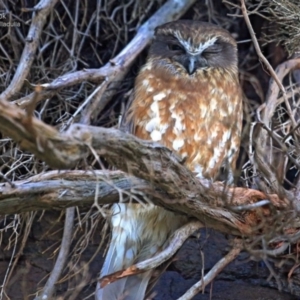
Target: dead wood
(145, 160)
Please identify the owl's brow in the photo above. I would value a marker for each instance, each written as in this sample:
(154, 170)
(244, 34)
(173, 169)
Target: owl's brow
(192, 48)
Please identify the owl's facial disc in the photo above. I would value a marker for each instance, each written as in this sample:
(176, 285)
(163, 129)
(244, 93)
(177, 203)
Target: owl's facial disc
(193, 57)
(185, 48)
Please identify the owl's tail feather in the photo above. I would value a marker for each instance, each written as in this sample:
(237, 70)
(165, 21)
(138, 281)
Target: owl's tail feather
(128, 288)
(138, 233)
(124, 250)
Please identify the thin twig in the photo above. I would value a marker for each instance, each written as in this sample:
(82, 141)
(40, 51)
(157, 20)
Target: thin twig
(49, 288)
(41, 12)
(118, 66)
(212, 274)
(257, 47)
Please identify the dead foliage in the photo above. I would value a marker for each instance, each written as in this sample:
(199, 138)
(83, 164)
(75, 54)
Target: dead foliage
(64, 62)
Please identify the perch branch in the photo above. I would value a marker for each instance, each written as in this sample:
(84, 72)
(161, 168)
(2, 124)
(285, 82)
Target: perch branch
(61, 189)
(212, 274)
(180, 190)
(41, 12)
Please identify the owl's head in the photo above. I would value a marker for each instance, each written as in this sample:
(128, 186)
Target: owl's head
(187, 47)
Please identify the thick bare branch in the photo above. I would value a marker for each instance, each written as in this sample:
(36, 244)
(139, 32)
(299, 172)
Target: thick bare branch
(142, 159)
(68, 188)
(58, 150)
(58, 190)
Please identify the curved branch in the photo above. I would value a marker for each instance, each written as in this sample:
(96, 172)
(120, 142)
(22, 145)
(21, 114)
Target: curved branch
(118, 66)
(176, 241)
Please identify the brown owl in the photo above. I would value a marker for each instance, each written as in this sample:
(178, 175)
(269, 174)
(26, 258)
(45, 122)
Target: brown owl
(187, 97)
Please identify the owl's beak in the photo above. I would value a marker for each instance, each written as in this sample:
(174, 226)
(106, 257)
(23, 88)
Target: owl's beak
(191, 66)
(195, 62)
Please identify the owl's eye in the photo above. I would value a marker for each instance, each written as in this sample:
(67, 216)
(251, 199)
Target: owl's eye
(216, 48)
(175, 47)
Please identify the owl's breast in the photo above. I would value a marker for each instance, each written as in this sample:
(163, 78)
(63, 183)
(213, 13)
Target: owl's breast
(200, 119)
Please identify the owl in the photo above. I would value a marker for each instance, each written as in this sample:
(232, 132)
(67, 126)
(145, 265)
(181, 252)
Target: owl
(188, 98)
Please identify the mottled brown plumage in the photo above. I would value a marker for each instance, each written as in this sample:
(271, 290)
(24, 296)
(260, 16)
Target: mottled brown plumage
(188, 98)
(199, 115)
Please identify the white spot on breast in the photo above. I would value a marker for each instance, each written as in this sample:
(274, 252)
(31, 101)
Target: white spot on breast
(199, 170)
(154, 107)
(177, 144)
(197, 158)
(159, 96)
(163, 128)
(149, 89)
(219, 150)
(179, 126)
(224, 96)
(225, 138)
(196, 137)
(172, 106)
(214, 134)
(145, 82)
(152, 124)
(203, 111)
(213, 104)
(213, 160)
(184, 155)
(230, 109)
(223, 113)
(155, 135)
